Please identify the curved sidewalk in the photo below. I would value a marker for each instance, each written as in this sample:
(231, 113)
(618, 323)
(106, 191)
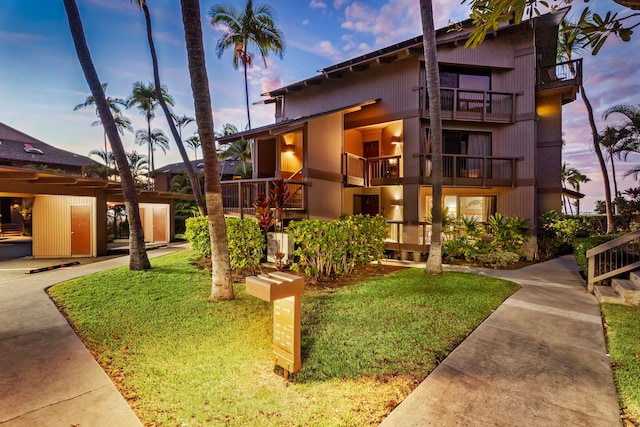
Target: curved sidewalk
(539, 360)
(47, 376)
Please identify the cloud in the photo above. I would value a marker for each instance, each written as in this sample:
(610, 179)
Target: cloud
(6, 36)
(317, 4)
(305, 22)
(337, 4)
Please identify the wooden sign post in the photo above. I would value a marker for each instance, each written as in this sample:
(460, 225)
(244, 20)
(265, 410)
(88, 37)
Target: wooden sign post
(284, 290)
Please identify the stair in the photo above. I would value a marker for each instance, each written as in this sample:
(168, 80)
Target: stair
(11, 229)
(621, 291)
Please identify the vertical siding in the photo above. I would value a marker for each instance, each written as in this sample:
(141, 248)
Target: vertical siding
(325, 199)
(325, 146)
(52, 225)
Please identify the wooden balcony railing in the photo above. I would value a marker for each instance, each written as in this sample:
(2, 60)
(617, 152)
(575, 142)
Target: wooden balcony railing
(238, 196)
(472, 171)
(472, 105)
(372, 171)
(564, 74)
(614, 257)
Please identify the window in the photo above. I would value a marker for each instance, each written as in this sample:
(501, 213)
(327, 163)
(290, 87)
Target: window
(473, 148)
(465, 78)
(477, 207)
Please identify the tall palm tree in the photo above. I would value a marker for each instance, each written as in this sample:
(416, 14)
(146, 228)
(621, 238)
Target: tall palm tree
(221, 284)
(107, 158)
(138, 259)
(247, 29)
(434, 261)
(122, 122)
(138, 165)
(145, 98)
(157, 139)
(575, 180)
(565, 174)
(193, 142)
(629, 133)
(238, 150)
(142, 4)
(181, 122)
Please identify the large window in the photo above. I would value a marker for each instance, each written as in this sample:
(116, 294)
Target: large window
(478, 207)
(473, 146)
(465, 78)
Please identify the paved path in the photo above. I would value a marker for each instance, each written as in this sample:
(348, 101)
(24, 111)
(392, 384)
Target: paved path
(539, 360)
(47, 376)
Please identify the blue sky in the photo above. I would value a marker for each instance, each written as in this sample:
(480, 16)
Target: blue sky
(41, 80)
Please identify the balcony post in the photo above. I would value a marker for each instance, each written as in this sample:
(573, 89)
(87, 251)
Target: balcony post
(240, 200)
(484, 171)
(484, 106)
(455, 104)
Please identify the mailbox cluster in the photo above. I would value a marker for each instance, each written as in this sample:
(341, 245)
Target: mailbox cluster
(284, 290)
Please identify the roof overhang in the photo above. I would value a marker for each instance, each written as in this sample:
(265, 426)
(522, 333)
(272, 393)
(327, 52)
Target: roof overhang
(572, 194)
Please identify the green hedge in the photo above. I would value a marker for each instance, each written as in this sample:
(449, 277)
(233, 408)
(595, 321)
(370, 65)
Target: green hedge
(583, 244)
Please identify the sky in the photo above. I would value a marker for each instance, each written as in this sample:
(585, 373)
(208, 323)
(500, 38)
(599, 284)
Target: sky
(41, 80)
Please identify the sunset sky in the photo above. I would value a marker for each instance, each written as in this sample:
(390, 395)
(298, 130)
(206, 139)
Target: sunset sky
(41, 80)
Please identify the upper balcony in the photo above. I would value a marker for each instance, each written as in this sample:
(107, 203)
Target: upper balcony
(238, 196)
(461, 170)
(473, 105)
(372, 171)
(565, 77)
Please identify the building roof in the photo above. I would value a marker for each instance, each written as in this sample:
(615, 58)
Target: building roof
(18, 146)
(229, 165)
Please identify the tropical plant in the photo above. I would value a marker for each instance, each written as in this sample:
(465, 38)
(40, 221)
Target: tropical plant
(193, 142)
(138, 259)
(264, 214)
(103, 171)
(163, 101)
(629, 133)
(221, 286)
(244, 30)
(238, 150)
(157, 139)
(139, 167)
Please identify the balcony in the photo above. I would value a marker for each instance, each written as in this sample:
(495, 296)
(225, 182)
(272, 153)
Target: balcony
(238, 196)
(473, 105)
(373, 171)
(461, 170)
(564, 75)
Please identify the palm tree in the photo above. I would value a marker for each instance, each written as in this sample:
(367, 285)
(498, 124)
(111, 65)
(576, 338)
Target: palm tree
(157, 140)
(168, 115)
(138, 165)
(238, 150)
(221, 284)
(138, 259)
(565, 174)
(629, 133)
(122, 122)
(434, 261)
(181, 122)
(245, 29)
(575, 180)
(146, 99)
(107, 158)
(193, 142)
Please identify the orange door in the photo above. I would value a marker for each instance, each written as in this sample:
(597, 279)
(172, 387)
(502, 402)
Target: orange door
(142, 223)
(159, 225)
(80, 230)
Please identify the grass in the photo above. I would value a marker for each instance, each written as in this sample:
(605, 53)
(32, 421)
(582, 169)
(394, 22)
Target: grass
(623, 338)
(181, 360)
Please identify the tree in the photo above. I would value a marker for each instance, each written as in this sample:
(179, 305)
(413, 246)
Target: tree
(246, 29)
(487, 15)
(138, 259)
(181, 122)
(238, 150)
(157, 139)
(221, 287)
(565, 174)
(146, 98)
(160, 96)
(575, 180)
(122, 122)
(107, 158)
(434, 261)
(628, 133)
(193, 142)
(139, 166)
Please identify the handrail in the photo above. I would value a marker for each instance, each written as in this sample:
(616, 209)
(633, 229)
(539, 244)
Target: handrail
(610, 258)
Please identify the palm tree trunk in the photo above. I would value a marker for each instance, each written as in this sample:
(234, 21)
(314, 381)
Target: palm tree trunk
(195, 185)
(615, 182)
(434, 261)
(138, 259)
(246, 92)
(221, 288)
(603, 167)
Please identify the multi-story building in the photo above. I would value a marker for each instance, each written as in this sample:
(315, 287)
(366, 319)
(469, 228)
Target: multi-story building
(355, 137)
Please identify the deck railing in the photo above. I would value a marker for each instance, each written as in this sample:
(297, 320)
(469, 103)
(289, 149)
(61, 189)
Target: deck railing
(474, 105)
(474, 171)
(238, 196)
(364, 172)
(568, 73)
(614, 257)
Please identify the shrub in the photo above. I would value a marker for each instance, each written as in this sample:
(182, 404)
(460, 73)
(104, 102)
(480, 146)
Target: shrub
(197, 233)
(246, 243)
(338, 246)
(498, 259)
(582, 245)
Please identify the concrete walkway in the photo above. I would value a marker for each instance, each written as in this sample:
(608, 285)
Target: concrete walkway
(47, 376)
(539, 360)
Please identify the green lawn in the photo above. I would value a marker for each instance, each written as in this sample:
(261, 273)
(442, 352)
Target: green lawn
(623, 339)
(181, 360)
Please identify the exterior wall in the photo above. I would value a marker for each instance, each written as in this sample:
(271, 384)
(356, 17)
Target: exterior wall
(51, 219)
(325, 200)
(148, 223)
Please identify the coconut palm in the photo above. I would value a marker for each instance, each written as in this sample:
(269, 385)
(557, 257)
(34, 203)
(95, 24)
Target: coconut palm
(575, 180)
(629, 133)
(138, 165)
(138, 259)
(221, 284)
(107, 158)
(246, 29)
(238, 150)
(434, 261)
(157, 139)
(122, 122)
(193, 142)
(142, 4)
(181, 122)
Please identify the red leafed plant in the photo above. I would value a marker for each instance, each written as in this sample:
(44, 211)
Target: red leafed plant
(264, 214)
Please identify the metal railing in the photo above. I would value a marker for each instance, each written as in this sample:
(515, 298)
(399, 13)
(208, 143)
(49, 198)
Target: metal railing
(475, 105)
(614, 257)
(238, 196)
(363, 172)
(475, 171)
